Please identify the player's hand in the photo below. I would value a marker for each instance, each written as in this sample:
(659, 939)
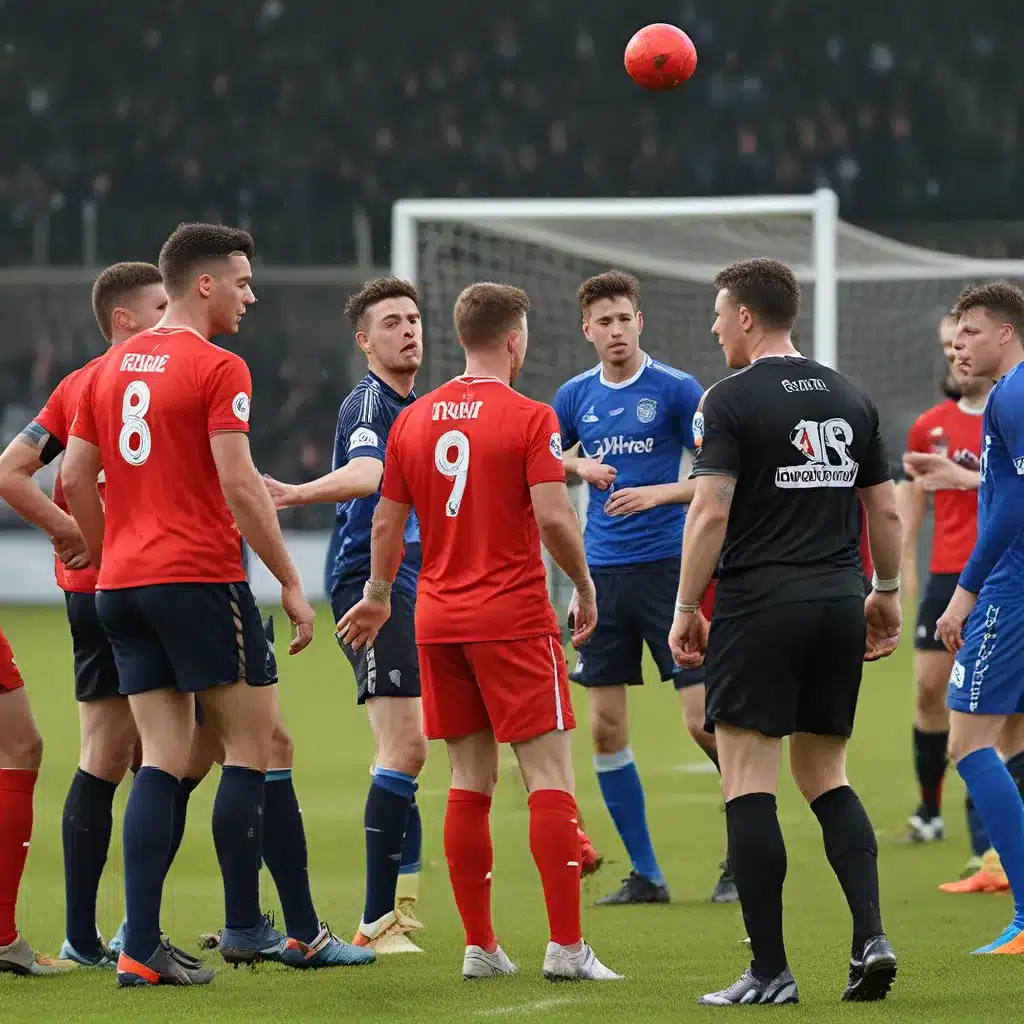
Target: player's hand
(283, 495)
(301, 614)
(884, 615)
(630, 500)
(688, 639)
(360, 625)
(950, 627)
(71, 549)
(583, 614)
(946, 477)
(595, 472)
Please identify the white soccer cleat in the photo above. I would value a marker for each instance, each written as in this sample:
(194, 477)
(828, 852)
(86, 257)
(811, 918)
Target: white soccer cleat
(562, 964)
(925, 830)
(388, 935)
(478, 963)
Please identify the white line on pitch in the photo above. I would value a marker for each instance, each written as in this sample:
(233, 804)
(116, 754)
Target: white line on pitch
(525, 1008)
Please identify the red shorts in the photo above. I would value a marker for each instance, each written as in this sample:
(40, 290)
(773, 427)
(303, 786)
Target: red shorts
(519, 689)
(10, 677)
(707, 602)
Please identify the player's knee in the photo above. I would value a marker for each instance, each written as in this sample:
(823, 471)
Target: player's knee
(282, 747)
(406, 752)
(608, 731)
(931, 696)
(23, 751)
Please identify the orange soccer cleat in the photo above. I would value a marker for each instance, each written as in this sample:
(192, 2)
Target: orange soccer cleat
(990, 877)
(590, 860)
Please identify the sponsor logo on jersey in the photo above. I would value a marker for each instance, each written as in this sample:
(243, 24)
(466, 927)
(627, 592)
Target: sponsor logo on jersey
(456, 410)
(239, 405)
(364, 437)
(804, 384)
(824, 445)
(590, 416)
(556, 445)
(645, 410)
(616, 412)
(698, 429)
(1018, 464)
(621, 445)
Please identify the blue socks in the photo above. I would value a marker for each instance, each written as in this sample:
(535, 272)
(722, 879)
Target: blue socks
(185, 789)
(238, 839)
(413, 842)
(284, 852)
(148, 823)
(997, 800)
(385, 820)
(624, 797)
(85, 828)
(975, 828)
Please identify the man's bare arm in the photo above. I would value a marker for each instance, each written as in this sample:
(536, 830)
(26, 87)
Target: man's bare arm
(885, 529)
(386, 540)
(559, 527)
(358, 479)
(78, 474)
(33, 448)
(704, 535)
(912, 503)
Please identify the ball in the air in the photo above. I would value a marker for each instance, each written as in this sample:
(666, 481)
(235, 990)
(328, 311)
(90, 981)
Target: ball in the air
(660, 57)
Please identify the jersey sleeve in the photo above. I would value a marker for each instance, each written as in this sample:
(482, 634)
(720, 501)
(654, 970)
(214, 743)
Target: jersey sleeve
(563, 407)
(544, 448)
(1009, 410)
(715, 433)
(874, 469)
(53, 416)
(228, 389)
(84, 423)
(917, 436)
(688, 399)
(362, 430)
(394, 485)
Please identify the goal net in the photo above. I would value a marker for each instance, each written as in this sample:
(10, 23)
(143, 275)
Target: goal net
(871, 304)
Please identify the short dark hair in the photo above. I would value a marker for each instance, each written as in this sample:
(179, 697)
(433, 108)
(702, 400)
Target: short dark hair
(190, 246)
(377, 290)
(999, 298)
(485, 311)
(768, 288)
(613, 284)
(114, 285)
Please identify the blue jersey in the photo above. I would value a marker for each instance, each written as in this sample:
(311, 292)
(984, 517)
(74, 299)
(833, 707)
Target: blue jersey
(364, 421)
(998, 557)
(640, 427)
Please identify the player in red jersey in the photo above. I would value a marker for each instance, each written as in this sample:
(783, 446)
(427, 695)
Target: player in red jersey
(126, 298)
(483, 466)
(165, 417)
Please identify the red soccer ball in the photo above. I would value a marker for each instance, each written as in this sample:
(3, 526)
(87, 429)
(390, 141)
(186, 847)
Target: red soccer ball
(660, 57)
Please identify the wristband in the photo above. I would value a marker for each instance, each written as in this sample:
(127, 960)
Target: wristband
(884, 586)
(377, 591)
(686, 609)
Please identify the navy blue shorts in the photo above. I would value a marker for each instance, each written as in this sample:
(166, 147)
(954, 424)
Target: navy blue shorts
(186, 636)
(635, 606)
(95, 669)
(988, 673)
(391, 667)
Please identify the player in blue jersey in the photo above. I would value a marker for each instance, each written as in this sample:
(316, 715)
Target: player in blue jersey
(625, 425)
(983, 625)
(386, 319)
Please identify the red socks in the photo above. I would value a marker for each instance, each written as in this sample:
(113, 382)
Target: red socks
(470, 856)
(555, 845)
(16, 789)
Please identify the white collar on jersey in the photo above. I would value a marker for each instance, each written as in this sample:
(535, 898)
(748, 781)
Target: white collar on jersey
(972, 410)
(625, 383)
(472, 378)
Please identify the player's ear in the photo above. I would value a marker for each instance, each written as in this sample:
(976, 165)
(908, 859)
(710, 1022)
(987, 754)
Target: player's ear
(204, 285)
(639, 322)
(586, 329)
(121, 318)
(363, 341)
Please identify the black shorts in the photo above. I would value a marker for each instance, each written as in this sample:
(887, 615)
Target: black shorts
(635, 606)
(391, 667)
(95, 670)
(787, 668)
(937, 595)
(186, 636)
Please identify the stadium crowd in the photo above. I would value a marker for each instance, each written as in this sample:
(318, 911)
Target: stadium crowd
(284, 120)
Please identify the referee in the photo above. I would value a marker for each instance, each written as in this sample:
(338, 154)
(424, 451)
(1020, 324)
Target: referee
(784, 448)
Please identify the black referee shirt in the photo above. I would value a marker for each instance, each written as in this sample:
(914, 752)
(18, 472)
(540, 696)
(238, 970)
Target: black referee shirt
(799, 439)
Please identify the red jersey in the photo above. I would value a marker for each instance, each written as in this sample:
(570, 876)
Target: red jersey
(466, 455)
(56, 418)
(150, 406)
(948, 429)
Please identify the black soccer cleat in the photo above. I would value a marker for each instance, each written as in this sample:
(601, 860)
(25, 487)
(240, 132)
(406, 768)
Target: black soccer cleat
(162, 968)
(750, 990)
(636, 889)
(872, 974)
(725, 888)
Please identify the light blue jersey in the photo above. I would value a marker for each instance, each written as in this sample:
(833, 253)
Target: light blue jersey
(640, 427)
(988, 677)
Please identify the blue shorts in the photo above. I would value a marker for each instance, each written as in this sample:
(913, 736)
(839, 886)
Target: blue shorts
(988, 674)
(186, 636)
(391, 667)
(635, 606)
(95, 670)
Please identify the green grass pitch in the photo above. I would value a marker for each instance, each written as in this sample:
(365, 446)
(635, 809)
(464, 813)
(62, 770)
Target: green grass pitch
(669, 955)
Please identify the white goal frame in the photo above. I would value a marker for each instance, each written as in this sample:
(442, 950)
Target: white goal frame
(822, 207)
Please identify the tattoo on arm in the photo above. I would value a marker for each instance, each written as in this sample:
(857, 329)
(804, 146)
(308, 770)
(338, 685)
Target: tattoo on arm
(724, 492)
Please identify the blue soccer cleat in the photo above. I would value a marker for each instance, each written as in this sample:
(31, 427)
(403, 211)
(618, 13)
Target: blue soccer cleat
(116, 944)
(326, 950)
(1010, 941)
(106, 960)
(251, 945)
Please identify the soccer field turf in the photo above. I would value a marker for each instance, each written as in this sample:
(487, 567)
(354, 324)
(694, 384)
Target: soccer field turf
(669, 954)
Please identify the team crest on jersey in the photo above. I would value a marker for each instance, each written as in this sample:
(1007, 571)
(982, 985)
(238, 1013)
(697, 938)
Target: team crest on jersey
(240, 406)
(364, 437)
(645, 409)
(590, 416)
(698, 429)
(556, 445)
(956, 677)
(1018, 464)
